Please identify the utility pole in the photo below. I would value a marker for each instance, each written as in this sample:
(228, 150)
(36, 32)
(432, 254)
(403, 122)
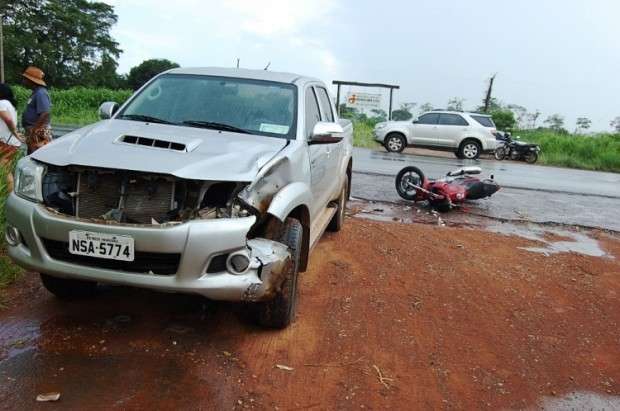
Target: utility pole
(1, 50)
(487, 99)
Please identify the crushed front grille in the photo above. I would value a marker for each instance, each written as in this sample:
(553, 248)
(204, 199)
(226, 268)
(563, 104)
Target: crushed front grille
(123, 196)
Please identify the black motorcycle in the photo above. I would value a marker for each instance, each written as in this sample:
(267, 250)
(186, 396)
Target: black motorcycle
(514, 149)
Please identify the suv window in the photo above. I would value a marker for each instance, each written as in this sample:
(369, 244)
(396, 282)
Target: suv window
(484, 121)
(430, 118)
(326, 107)
(452, 120)
(313, 115)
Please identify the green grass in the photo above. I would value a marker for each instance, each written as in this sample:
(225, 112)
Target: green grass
(600, 152)
(75, 106)
(8, 271)
(362, 135)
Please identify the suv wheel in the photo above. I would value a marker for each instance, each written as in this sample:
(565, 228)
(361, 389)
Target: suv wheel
(395, 143)
(280, 311)
(470, 150)
(67, 289)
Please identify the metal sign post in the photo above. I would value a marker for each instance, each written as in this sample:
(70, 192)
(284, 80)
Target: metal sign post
(339, 83)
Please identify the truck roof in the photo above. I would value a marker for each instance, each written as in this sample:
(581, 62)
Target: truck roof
(244, 73)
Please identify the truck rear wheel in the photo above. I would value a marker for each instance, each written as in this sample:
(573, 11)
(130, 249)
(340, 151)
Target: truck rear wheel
(337, 220)
(68, 289)
(280, 311)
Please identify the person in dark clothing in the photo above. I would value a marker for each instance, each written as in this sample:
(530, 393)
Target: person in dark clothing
(37, 115)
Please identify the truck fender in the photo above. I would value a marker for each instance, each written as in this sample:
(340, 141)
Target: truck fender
(289, 198)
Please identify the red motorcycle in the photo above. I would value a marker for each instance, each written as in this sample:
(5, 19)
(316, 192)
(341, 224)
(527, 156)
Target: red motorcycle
(443, 194)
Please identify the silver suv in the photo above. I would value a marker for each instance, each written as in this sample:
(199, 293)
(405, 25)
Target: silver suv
(466, 134)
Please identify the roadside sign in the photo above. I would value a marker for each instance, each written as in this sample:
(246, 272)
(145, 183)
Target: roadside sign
(363, 100)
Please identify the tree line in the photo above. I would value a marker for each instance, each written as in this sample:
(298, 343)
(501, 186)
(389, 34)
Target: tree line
(70, 41)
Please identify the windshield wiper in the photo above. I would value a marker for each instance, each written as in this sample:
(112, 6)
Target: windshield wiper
(142, 117)
(215, 126)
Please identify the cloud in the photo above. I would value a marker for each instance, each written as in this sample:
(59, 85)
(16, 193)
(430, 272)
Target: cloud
(278, 17)
(291, 33)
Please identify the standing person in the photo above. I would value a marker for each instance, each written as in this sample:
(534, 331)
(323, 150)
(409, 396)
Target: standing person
(10, 139)
(36, 117)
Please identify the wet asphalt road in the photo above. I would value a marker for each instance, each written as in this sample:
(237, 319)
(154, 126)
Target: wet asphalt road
(529, 192)
(508, 173)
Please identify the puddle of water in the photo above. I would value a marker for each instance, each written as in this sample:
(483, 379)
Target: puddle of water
(571, 241)
(584, 400)
(17, 337)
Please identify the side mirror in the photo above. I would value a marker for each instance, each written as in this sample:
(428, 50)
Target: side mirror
(107, 110)
(326, 133)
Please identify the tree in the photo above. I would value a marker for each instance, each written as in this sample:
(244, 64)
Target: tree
(68, 39)
(426, 107)
(147, 70)
(615, 124)
(520, 114)
(455, 104)
(555, 122)
(583, 123)
(504, 119)
(533, 117)
(378, 115)
(403, 113)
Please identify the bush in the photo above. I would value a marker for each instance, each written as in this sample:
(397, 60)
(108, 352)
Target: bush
(8, 271)
(77, 105)
(504, 119)
(600, 152)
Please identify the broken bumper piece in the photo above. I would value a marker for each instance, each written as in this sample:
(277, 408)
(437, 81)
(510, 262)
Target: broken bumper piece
(173, 258)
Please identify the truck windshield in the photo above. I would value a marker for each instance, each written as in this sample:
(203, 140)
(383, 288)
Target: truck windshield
(221, 103)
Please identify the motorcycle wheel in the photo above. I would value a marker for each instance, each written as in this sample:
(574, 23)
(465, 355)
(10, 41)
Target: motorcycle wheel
(406, 176)
(514, 155)
(531, 157)
(499, 153)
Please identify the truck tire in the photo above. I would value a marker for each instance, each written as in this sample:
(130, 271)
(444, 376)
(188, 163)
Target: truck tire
(395, 143)
(67, 289)
(337, 220)
(280, 311)
(470, 150)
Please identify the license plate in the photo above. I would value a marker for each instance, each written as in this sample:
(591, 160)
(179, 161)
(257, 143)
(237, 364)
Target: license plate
(108, 246)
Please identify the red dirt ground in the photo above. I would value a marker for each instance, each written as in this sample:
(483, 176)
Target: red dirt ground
(452, 318)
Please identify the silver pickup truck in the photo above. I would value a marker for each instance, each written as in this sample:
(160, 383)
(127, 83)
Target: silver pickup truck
(210, 181)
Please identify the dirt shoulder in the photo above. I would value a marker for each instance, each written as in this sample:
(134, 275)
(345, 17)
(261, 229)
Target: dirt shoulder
(391, 316)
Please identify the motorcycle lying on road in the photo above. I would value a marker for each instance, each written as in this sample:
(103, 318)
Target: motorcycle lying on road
(515, 150)
(445, 193)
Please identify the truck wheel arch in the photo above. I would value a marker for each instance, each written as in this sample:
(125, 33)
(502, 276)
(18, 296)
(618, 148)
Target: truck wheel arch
(291, 201)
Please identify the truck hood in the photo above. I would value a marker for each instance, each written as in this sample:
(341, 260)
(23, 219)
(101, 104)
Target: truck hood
(207, 155)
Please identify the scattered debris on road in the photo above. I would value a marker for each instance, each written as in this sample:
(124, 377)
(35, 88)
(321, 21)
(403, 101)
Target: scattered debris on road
(48, 397)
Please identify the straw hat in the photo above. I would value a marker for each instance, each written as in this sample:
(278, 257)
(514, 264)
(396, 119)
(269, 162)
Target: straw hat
(35, 75)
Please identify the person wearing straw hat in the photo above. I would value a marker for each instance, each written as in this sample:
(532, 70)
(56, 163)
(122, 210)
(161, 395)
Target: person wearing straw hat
(36, 116)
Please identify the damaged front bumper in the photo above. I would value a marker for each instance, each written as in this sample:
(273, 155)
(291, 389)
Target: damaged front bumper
(187, 253)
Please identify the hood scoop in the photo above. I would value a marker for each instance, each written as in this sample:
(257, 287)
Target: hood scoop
(155, 143)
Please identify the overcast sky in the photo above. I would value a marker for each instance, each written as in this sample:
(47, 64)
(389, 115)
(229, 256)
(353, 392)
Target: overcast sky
(552, 55)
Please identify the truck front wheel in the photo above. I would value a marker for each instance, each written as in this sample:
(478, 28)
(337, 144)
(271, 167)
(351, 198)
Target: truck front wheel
(280, 311)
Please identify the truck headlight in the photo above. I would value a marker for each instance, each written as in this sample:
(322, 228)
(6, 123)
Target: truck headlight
(28, 180)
